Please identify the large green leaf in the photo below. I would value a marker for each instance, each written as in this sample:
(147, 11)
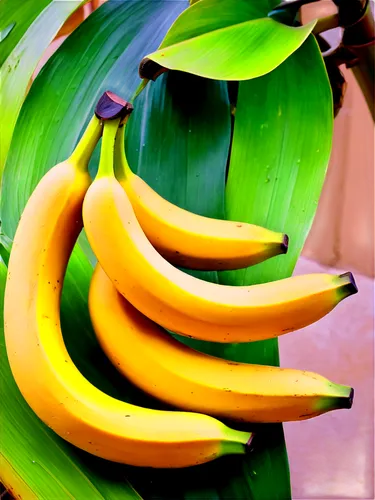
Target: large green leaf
(228, 40)
(34, 462)
(17, 69)
(15, 17)
(178, 141)
(280, 156)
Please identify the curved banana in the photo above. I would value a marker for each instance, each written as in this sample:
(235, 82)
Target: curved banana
(188, 305)
(191, 380)
(45, 374)
(189, 240)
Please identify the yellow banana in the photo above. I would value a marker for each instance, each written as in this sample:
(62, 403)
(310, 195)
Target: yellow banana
(190, 240)
(183, 303)
(45, 374)
(191, 380)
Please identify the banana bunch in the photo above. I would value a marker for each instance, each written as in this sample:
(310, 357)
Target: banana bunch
(138, 238)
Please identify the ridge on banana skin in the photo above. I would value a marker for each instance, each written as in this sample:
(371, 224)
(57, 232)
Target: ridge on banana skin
(189, 240)
(185, 304)
(45, 374)
(191, 380)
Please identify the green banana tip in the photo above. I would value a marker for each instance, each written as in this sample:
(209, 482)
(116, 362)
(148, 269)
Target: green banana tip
(285, 244)
(347, 401)
(341, 398)
(111, 106)
(349, 286)
(350, 399)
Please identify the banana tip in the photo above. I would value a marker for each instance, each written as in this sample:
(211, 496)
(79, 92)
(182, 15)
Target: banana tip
(285, 243)
(350, 399)
(349, 283)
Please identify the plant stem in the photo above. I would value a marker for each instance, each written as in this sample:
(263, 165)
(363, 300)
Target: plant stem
(85, 147)
(139, 89)
(106, 164)
(359, 38)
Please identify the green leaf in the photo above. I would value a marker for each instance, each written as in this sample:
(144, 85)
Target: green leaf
(15, 18)
(5, 247)
(17, 69)
(203, 19)
(228, 40)
(35, 462)
(280, 153)
(178, 141)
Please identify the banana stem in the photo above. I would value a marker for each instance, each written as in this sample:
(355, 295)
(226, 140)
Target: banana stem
(106, 163)
(85, 147)
(139, 89)
(122, 168)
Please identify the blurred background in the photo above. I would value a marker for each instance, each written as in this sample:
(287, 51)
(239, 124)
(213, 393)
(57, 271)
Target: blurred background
(331, 456)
